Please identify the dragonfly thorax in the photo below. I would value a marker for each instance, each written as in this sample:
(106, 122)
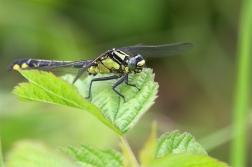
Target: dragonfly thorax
(122, 63)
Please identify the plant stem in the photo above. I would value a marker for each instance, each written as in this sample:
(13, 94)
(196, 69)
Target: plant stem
(241, 104)
(1, 156)
(128, 154)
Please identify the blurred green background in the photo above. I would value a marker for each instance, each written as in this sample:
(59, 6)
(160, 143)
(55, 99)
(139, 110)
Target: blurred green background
(196, 88)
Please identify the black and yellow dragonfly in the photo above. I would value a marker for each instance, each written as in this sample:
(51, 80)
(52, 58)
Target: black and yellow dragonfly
(119, 62)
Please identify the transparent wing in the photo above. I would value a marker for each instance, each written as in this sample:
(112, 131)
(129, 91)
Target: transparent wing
(157, 51)
(89, 64)
(67, 68)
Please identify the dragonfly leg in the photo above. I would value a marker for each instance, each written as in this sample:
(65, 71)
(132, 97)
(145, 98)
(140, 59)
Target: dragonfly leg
(100, 79)
(118, 83)
(126, 80)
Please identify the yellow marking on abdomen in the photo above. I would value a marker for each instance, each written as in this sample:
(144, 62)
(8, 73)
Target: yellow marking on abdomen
(16, 67)
(24, 65)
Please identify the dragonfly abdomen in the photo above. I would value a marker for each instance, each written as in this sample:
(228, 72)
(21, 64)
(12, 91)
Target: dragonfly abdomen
(31, 63)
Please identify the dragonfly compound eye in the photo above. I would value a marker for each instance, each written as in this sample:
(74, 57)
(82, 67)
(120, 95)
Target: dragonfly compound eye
(132, 63)
(140, 60)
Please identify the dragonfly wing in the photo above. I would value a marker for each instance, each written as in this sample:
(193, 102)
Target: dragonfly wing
(84, 68)
(62, 68)
(81, 71)
(157, 51)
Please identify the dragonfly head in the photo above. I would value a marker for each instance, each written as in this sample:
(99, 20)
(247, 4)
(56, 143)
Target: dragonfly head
(136, 63)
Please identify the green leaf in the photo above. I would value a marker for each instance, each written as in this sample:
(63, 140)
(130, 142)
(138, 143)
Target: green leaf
(187, 160)
(123, 115)
(176, 143)
(113, 112)
(45, 87)
(147, 154)
(30, 154)
(90, 156)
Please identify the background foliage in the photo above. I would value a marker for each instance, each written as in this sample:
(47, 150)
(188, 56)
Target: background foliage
(196, 88)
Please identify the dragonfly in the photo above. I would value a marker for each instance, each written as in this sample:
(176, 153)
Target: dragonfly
(119, 62)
